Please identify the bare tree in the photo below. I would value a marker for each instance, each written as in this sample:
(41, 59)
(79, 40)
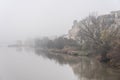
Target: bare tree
(98, 33)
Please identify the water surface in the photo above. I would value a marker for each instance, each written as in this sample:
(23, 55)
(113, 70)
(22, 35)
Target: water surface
(33, 64)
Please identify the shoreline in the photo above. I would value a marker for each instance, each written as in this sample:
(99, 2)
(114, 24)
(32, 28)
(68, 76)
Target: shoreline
(78, 53)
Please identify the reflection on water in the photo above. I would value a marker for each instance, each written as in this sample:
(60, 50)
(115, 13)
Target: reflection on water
(83, 67)
(35, 64)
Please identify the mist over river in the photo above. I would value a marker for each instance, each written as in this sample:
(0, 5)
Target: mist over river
(33, 64)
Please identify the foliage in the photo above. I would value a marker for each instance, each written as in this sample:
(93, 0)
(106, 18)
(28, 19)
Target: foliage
(98, 34)
(58, 43)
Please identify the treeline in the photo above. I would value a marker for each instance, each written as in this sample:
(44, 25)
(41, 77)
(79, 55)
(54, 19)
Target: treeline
(57, 43)
(101, 35)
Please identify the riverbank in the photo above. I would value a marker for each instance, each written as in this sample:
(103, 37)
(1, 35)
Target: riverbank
(70, 52)
(74, 52)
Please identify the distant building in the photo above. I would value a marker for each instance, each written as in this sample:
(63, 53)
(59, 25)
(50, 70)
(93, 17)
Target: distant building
(74, 31)
(116, 14)
(112, 19)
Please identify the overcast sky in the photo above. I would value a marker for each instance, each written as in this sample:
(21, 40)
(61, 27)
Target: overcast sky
(20, 19)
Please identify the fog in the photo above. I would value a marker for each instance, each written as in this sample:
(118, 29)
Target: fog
(21, 19)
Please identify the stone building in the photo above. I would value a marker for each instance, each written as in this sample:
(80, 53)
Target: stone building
(74, 31)
(112, 19)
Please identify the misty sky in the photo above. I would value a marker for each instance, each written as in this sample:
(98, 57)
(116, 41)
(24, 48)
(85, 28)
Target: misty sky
(20, 19)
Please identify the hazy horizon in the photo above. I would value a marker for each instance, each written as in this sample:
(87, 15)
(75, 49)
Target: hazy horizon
(34, 18)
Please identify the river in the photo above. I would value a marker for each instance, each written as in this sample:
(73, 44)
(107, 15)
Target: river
(33, 64)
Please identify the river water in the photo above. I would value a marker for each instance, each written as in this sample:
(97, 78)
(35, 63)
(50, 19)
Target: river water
(33, 64)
